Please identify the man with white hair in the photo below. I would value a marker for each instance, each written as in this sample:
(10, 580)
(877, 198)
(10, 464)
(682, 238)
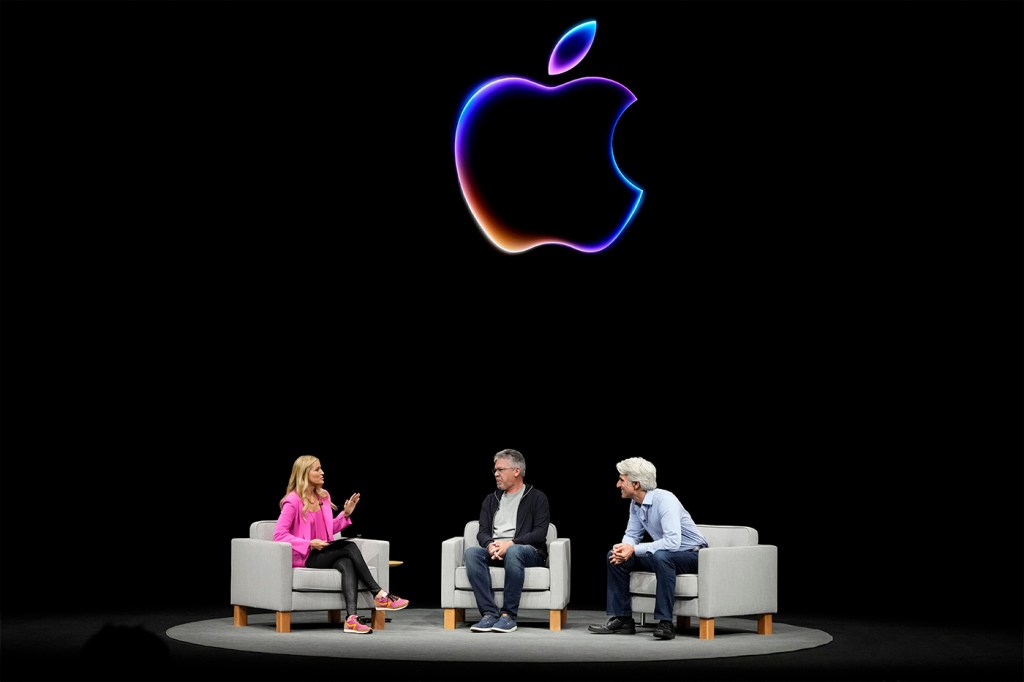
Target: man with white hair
(673, 550)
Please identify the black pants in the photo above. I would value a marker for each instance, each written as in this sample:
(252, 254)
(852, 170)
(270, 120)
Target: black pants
(345, 556)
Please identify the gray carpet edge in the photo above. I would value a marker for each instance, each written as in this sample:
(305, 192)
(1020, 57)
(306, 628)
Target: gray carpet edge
(419, 635)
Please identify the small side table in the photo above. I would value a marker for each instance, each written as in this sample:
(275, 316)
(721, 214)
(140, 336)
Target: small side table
(392, 563)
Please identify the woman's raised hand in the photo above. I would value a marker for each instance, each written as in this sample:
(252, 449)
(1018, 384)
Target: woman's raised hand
(350, 504)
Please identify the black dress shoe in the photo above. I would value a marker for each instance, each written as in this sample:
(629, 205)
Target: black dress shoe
(664, 630)
(616, 625)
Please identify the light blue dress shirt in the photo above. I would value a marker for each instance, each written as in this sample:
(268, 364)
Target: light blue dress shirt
(665, 519)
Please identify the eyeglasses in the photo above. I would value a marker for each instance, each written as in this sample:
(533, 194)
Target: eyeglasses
(497, 469)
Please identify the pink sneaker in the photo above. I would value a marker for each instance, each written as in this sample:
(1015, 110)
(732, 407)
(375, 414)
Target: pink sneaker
(390, 602)
(354, 627)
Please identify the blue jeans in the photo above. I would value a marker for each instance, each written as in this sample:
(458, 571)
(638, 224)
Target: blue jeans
(664, 564)
(517, 559)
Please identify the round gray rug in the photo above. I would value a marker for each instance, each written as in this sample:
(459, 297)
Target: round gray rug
(419, 635)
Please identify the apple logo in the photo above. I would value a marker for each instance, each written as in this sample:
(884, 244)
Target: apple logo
(536, 163)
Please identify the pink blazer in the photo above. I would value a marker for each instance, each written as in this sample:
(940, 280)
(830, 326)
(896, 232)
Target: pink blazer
(296, 527)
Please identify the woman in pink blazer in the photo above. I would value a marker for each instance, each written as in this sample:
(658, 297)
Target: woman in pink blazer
(307, 521)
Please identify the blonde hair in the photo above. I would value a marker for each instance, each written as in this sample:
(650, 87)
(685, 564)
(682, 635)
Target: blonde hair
(298, 482)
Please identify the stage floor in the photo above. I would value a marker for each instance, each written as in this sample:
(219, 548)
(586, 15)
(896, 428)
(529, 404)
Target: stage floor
(133, 645)
(418, 635)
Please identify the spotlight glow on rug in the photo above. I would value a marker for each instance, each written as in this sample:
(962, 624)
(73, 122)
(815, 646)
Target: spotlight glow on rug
(536, 163)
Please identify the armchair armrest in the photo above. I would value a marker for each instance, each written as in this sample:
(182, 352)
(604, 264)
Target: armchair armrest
(559, 565)
(261, 574)
(452, 551)
(737, 581)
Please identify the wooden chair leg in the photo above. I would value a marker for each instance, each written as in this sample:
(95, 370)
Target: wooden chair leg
(334, 616)
(283, 621)
(764, 624)
(682, 623)
(378, 620)
(707, 628)
(241, 616)
(453, 617)
(557, 619)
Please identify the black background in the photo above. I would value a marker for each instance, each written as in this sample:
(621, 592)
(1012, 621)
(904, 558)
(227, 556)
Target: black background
(233, 234)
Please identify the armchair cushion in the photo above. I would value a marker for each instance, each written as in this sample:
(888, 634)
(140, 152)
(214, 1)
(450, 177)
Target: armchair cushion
(537, 578)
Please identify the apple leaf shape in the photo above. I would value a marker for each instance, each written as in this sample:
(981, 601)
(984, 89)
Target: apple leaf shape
(572, 48)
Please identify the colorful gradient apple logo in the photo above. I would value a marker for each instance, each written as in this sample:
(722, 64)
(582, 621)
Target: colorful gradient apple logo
(536, 163)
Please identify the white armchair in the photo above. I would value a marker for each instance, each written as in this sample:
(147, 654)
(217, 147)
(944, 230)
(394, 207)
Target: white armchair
(546, 587)
(735, 577)
(262, 577)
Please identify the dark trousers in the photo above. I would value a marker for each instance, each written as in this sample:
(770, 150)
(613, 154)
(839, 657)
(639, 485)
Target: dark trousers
(664, 564)
(345, 556)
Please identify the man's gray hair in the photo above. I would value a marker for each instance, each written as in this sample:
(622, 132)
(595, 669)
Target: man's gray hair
(639, 470)
(514, 457)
